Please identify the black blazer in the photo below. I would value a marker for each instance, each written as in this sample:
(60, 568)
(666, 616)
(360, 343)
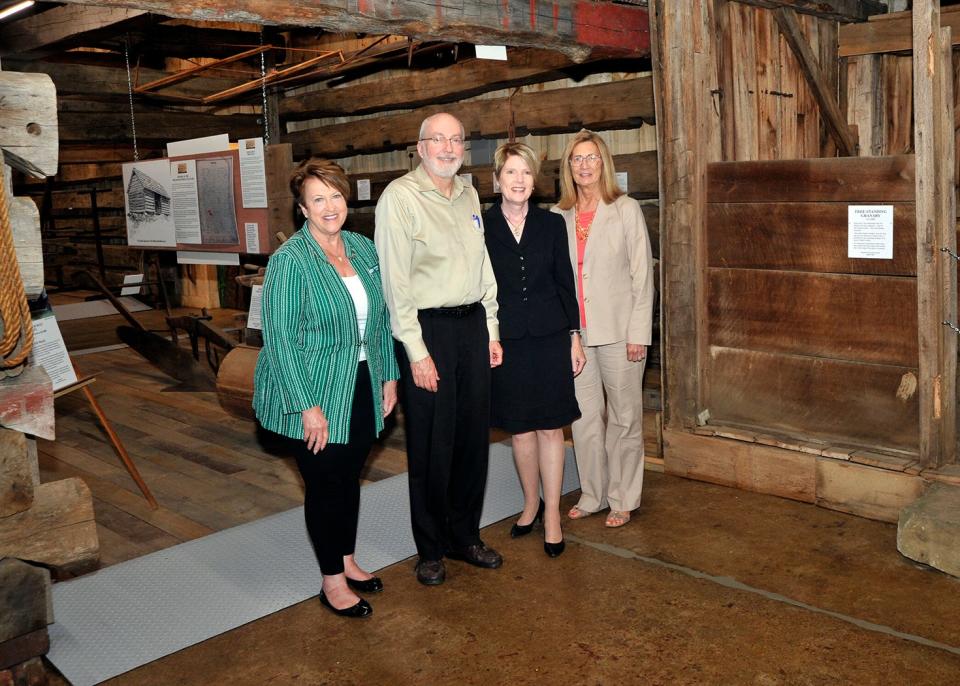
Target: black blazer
(535, 289)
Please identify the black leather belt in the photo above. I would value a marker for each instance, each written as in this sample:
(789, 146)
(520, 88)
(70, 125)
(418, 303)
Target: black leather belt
(458, 311)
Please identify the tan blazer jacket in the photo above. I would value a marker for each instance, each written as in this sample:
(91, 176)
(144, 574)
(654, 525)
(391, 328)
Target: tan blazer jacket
(617, 273)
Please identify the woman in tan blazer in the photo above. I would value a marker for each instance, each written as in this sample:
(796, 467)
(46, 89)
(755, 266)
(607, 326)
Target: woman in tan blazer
(610, 251)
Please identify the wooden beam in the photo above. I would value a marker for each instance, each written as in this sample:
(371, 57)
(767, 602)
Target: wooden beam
(891, 33)
(436, 86)
(114, 126)
(60, 27)
(839, 10)
(688, 132)
(930, 117)
(620, 104)
(946, 216)
(187, 74)
(575, 27)
(817, 81)
(28, 122)
(106, 82)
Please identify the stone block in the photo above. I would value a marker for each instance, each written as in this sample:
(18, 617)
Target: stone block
(929, 529)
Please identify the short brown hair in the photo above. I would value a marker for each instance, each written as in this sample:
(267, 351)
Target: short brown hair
(609, 190)
(521, 150)
(327, 171)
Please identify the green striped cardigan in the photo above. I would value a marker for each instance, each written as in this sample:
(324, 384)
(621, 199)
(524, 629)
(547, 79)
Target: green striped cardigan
(311, 343)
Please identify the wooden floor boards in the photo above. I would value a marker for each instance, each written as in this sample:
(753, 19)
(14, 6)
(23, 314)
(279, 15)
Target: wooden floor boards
(207, 469)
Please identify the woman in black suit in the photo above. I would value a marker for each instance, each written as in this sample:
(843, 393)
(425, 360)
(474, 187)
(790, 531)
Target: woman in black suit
(533, 395)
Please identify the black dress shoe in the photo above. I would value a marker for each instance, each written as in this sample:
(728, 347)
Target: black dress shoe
(361, 609)
(554, 549)
(372, 585)
(518, 530)
(478, 555)
(431, 572)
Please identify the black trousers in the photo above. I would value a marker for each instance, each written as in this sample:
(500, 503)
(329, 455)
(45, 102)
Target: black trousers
(332, 482)
(448, 433)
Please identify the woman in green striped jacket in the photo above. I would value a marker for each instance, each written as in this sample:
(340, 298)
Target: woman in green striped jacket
(326, 376)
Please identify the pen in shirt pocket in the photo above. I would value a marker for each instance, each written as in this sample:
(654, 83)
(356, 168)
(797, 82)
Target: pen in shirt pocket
(477, 223)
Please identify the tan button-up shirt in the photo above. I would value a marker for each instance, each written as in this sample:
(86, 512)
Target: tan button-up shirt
(432, 254)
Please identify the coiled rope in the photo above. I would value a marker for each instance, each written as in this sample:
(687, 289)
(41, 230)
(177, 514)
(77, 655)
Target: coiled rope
(14, 310)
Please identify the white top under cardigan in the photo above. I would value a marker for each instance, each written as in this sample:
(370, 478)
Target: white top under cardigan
(360, 305)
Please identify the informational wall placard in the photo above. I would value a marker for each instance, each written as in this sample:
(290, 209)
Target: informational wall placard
(50, 352)
(186, 203)
(252, 232)
(254, 320)
(253, 174)
(870, 232)
(467, 179)
(623, 180)
(147, 190)
(363, 189)
(218, 217)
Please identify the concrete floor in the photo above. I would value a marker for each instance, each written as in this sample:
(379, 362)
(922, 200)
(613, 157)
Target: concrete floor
(707, 585)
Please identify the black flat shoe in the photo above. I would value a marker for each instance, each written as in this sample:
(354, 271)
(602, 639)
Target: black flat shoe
(361, 609)
(372, 585)
(554, 549)
(518, 530)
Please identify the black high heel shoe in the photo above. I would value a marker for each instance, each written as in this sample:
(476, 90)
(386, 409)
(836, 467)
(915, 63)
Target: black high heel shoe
(554, 549)
(518, 530)
(361, 609)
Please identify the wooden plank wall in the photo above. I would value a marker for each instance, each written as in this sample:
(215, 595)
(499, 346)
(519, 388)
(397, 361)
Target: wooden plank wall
(801, 339)
(767, 110)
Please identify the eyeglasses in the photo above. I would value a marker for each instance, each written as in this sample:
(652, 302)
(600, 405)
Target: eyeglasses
(440, 139)
(590, 159)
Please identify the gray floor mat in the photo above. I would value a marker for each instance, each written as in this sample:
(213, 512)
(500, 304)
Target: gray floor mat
(132, 613)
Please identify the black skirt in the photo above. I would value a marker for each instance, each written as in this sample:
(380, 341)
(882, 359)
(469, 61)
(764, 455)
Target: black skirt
(533, 388)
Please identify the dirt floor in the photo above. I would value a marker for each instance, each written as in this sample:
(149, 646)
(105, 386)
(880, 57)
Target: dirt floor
(707, 585)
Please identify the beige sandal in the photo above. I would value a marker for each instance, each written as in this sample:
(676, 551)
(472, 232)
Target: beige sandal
(576, 513)
(617, 518)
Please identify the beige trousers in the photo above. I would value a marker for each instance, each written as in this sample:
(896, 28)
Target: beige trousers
(608, 437)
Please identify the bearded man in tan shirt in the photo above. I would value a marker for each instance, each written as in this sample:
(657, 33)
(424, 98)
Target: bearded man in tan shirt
(442, 297)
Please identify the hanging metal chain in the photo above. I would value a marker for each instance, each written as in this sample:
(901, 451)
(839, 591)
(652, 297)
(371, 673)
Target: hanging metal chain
(133, 119)
(263, 85)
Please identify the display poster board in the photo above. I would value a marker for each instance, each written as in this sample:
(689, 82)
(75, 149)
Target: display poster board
(195, 202)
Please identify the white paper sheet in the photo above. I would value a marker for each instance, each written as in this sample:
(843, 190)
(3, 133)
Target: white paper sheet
(198, 146)
(186, 203)
(870, 232)
(146, 196)
(256, 306)
(363, 189)
(199, 257)
(491, 52)
(252, 233)
(131, 284)
(253, 174)
(623, 180)
(50, 352)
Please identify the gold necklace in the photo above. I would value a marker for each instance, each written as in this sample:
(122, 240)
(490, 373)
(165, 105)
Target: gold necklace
(338, 258)
(582, 231)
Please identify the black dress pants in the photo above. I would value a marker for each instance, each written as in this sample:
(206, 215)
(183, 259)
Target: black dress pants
(332, 482)
(448, 432)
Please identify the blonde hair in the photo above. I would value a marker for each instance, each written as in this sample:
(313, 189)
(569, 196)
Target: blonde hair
(521, 150)
(609, 190)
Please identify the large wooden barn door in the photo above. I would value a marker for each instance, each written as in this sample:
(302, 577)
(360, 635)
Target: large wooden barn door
(799, 339)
